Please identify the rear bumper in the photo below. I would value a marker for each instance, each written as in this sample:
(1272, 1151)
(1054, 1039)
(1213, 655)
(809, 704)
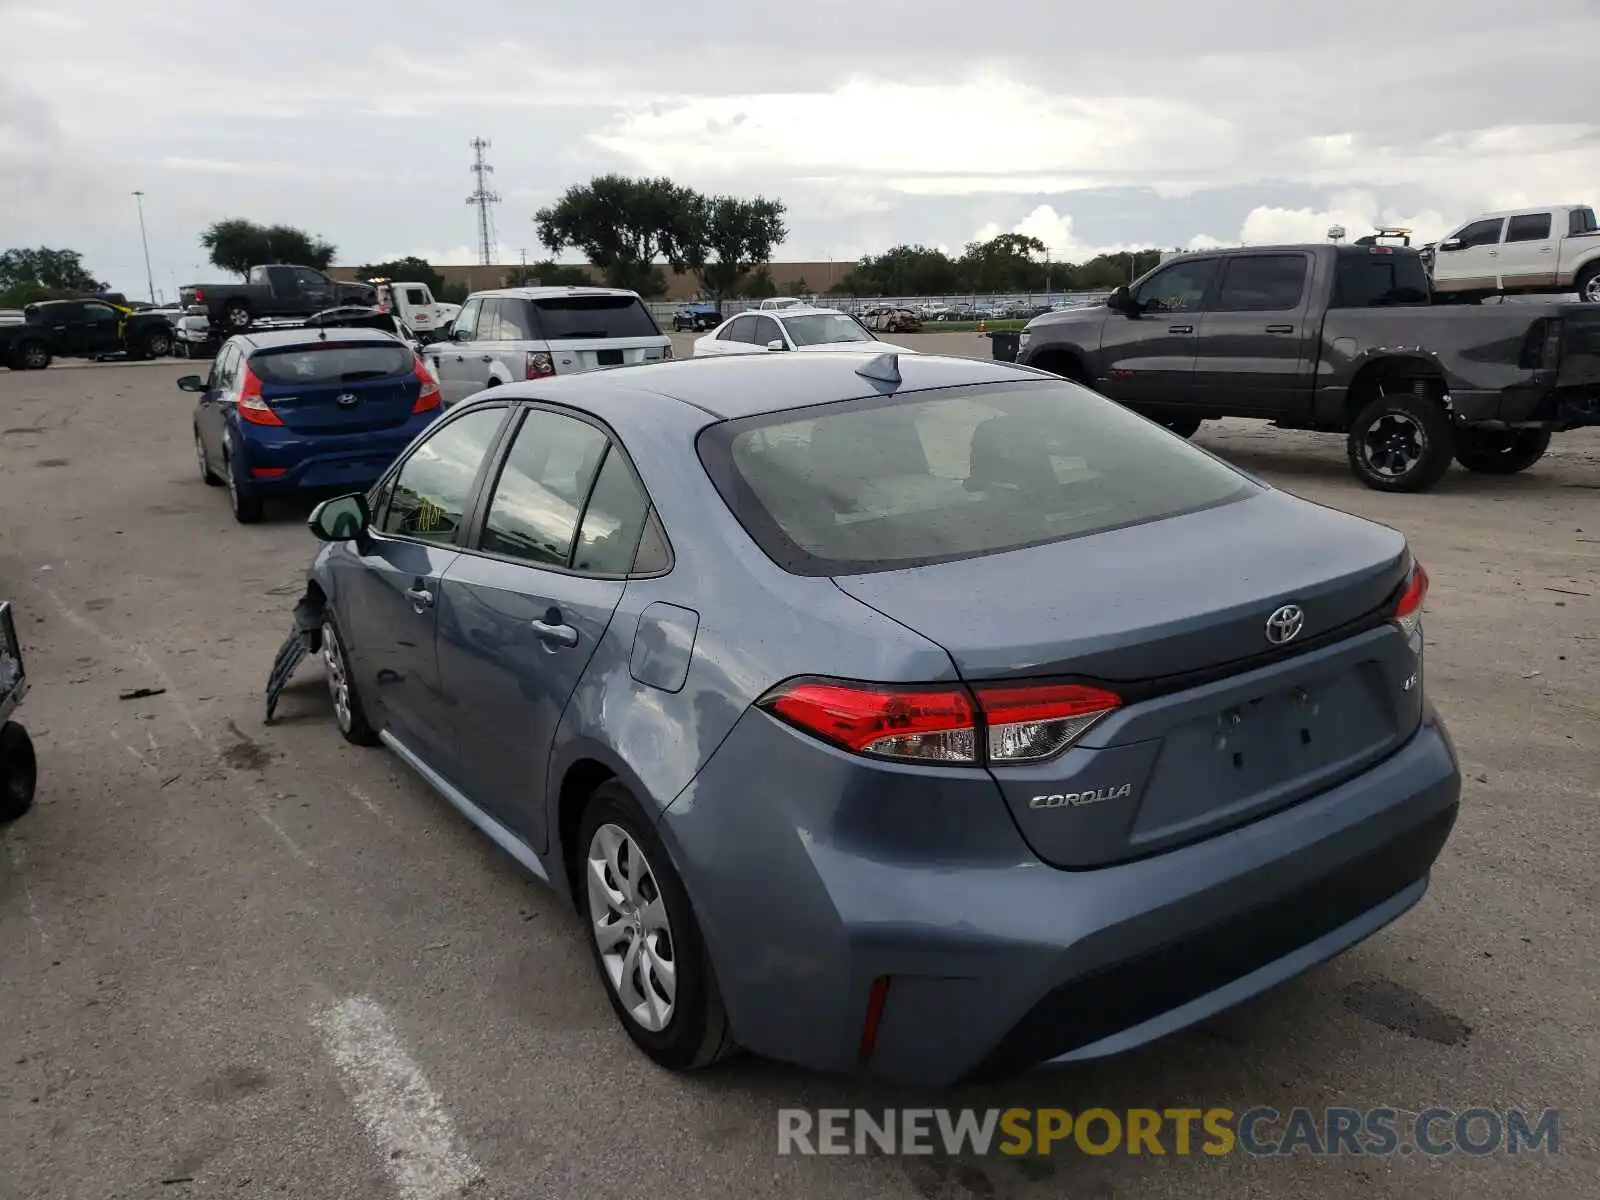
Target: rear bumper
(350, 462)
(1541, 402)
(813, 880)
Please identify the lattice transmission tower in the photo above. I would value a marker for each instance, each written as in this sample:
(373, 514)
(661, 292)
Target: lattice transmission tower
(483, 198)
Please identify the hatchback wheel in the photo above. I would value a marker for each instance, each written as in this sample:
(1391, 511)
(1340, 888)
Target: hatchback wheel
(19, 771)
(247, 510)
(647, 944)
(211, 478)
(347, 709)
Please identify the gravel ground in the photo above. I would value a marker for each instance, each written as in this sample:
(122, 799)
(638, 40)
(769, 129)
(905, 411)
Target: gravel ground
(240, 960)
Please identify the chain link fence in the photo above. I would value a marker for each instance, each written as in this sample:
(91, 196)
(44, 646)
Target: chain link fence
(969, 306)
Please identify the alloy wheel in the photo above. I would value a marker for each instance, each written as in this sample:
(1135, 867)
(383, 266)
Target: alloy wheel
(631, 928)
(1394, 444)
(338, 676)
(1591, 290)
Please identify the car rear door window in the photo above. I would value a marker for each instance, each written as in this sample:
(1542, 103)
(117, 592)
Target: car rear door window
(741, 329)
(517, 320)
(434, 486)
(1261, 283)
(1580, 221)
(876, 485)
(576, 318)
(1528, 227)
(533, 514)
(613, 520)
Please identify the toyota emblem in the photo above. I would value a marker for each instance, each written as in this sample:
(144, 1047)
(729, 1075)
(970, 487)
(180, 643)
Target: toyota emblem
(1285, 624)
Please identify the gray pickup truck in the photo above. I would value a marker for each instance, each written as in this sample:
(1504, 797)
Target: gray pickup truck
(1340, 339)
(274, 290)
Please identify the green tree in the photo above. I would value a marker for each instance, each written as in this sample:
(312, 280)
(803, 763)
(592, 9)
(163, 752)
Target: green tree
(30, 275)
(548, 274)
(409, 269)
(1008, 263)
(905, 271)
(622, 225)
(735, 236)
(237, 245)
(758, 285)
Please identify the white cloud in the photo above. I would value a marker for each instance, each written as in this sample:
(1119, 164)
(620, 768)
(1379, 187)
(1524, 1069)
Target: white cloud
(1057, 233)
(1359, 213)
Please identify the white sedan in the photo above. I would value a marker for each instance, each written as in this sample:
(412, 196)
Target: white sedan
(818, 329)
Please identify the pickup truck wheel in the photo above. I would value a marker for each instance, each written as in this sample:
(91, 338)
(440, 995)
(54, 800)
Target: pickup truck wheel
(1589, 285)
(236, 315)
(1500, 451)
(33, 356)
(1401, 442)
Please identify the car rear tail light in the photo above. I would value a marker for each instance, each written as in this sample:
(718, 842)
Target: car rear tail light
(942, 723)
(539, 365)
(876, 999)
(428, 397)
(199, 293)
(1038, 721)
(252, 408)
(666, 353)
(1408, 612)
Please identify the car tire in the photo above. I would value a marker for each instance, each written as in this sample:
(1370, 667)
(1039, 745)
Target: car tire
(1401, 441)
(247, 510)
(19, 772)
(236, 316)
(1589, 284)
(1185, 427)
(689, 1030)
(1500, 451)
(348, 712)
(209, 477)
(158, 345)
(33, 355)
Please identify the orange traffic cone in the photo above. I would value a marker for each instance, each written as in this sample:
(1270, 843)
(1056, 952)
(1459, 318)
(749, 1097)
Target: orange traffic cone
(983, 325)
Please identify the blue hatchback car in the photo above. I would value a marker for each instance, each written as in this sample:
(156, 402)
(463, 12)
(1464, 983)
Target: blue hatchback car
(307, 410)
(910, 715)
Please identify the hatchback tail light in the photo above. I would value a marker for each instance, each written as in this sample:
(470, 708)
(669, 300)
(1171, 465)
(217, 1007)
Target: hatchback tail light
(539, 365)
(1408, 611)
(428, 397)
(942, 723)
(252, 408)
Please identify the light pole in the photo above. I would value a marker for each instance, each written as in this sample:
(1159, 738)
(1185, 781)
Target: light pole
(145, 241)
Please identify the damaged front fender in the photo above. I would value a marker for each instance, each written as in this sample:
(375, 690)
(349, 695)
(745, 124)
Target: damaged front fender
(305, 638)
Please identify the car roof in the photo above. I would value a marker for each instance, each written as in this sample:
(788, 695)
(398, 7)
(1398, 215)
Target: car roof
(746, 386)
(804, 310)
(268, 339)
(545, 293)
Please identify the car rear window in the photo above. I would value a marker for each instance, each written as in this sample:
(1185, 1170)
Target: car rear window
(332, 362)
(880, 484)
(1379, 279)
(563, 318)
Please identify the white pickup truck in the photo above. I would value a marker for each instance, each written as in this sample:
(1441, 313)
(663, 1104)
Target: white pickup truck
(1551, 250)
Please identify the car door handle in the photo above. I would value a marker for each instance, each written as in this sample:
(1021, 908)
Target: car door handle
(1180, 329)
(1280, 328)
(1544, 250)
(420, 597)
(1494, 254)
(561, 635)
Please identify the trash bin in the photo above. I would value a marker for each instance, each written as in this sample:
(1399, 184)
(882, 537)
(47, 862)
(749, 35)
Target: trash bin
(1004, 342)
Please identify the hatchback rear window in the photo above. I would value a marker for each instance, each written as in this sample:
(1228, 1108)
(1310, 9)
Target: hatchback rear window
(563, 318)
(876, 485)
(332, 362)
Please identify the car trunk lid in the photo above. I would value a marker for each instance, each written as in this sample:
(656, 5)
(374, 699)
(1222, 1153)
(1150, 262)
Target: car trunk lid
(339, 387)
(589, 331)
(1217, 725)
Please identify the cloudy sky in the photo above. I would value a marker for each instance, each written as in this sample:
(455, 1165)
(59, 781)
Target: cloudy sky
(1092, 126)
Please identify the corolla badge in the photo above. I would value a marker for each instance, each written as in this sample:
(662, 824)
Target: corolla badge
(1285, 624)
(1079, 799)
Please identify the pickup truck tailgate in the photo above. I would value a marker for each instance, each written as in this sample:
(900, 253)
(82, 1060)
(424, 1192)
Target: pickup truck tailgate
(1580, 347)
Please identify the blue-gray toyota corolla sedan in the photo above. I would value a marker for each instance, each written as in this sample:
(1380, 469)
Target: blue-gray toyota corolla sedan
(918, 716)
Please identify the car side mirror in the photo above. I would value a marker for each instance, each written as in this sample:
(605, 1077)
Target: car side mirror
(191, 383)
(340, 519)
(776, 344)
(1450, 244)
(1121, 300)
(458, 335)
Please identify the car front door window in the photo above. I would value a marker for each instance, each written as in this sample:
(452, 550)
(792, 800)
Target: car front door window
(1181, 288)
(466, 321)
(767, 332)
(434, 487)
